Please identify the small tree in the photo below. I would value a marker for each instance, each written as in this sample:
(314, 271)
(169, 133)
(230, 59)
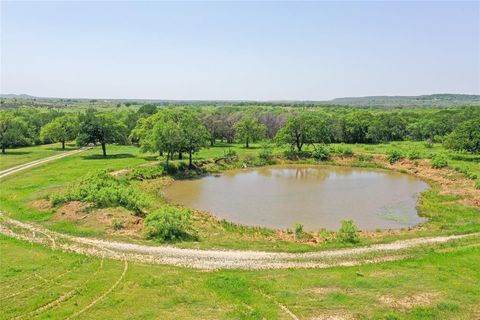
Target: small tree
(348, 232)
(248, 129)
(168, 224)
(195, 135)
(13, 131)
(60, 129)
(101, 128)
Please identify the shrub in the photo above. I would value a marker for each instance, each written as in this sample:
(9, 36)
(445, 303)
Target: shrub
(439, 161)
(145, 173)
(348, 232)
(230, 155)
(394, 156)
(298, 230)
(168, 224)
(266, 155)
(321, 153)
(103, 190)
(414, 155)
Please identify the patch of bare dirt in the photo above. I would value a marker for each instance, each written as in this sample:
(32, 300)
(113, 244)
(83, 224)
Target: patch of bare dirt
(74, 210)
(334, 315)
(448, 180)
(120, 173)
(127, 223)
(410, 301)
(112, 220)
(41, 204)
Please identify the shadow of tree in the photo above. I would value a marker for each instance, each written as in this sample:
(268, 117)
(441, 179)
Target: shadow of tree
(150, 158)
(111, 156)
(17, 153)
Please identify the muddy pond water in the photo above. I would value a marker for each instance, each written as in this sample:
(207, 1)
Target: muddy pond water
(316, 196)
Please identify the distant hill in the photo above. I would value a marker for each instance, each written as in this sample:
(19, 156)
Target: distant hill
(17, 96)
(433, 100)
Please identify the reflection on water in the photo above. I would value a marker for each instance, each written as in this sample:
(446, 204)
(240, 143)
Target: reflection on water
(318, 197)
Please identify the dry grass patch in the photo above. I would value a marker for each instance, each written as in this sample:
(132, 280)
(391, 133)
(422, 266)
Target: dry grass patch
(410, 301)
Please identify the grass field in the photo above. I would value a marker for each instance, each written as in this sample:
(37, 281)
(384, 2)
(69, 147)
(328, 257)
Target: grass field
(433, 284)
(15, 157)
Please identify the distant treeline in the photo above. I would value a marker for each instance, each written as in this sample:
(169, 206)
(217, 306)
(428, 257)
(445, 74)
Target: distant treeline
(186, 129)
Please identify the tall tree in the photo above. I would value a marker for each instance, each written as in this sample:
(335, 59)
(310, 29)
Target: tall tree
(248, 129)
(305, 128)
(60, 129)
(101, 128)
(195, 135)
(13, 131)
(167, 137)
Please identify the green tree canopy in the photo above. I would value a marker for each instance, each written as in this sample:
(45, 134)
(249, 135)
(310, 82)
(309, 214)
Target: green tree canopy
(13, 131)
(466, 137)
(60, 129)
(101, 128)
(195, 134)
(248, 129)
(305, 128)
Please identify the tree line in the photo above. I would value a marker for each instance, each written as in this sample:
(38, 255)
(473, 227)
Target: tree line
(173, 131)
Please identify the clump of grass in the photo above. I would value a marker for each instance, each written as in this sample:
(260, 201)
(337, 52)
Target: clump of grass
(296, 155)
(439, 161)
(325, 235)
(104, 191)
(466, 173)
(365, 157)
(117, 224)
(414, 155)
(168, 224)
(477, 184)
(344, 151)
(348, 232)
(394, 155)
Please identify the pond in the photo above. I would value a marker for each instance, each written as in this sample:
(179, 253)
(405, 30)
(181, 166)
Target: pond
(316, 196)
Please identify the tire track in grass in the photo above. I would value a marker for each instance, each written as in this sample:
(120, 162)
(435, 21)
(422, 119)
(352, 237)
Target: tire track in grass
(103, 295)
(11, 283)
(62, 298)
(281, 306)
(54, 280)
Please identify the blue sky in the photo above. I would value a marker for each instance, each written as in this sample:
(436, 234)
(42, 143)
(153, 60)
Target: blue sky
(250, 50)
